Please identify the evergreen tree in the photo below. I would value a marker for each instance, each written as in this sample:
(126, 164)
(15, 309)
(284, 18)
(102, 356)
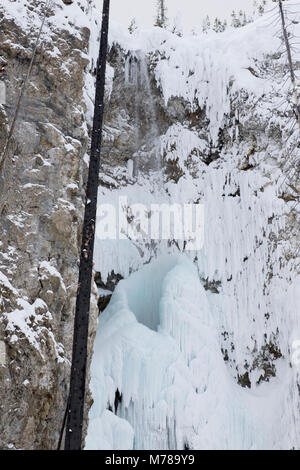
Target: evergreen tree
(161, 15)
(218, 26)
(235, 21)
(133, 26)
(206, 25)
(177, 28)
(242, 18)
(259, 7)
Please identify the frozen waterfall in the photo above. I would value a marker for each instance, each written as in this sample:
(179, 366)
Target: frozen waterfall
(138, 83)
(158, 377)
(194, 350)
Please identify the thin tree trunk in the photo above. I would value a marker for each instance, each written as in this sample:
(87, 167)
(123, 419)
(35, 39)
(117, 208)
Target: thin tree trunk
(21, 94)
(291, 66)
(162, 12)
(75, 415)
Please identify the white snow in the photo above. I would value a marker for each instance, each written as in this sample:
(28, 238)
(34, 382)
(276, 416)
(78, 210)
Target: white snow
(49, 270)
(160, 339)
(2, 353)
(110, 433)
(159, 348)
(179, 142)
(203, 69)
(6, 283)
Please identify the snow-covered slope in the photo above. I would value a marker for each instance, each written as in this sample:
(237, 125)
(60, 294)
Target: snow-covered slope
(195, 349)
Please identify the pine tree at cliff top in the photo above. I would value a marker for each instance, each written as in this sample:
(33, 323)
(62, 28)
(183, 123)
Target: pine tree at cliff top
(161, 14)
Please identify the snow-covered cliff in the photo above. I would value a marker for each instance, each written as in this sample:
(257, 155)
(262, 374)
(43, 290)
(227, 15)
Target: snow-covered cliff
(195, 349)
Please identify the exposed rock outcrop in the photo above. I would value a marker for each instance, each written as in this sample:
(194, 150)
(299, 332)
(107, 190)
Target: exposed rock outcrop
(41, 210)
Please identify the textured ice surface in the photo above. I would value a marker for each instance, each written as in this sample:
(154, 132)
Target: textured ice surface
(160, 339)
(174, 385)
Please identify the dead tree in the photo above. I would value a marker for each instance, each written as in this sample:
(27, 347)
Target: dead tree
(291, 176)
(296, 106)
(23, 87)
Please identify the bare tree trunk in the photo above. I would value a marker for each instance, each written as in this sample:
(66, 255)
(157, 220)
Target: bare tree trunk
(21, 94)
(162, 12)
(291, 66)
(75, 406)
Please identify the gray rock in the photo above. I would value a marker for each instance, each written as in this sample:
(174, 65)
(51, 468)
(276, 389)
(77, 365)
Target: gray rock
(40, 225)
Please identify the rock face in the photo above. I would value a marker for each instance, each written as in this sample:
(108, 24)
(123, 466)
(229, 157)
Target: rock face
(41, 210)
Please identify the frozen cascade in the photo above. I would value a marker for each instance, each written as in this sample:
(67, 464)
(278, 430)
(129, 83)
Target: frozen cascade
(166, 369)
(137, 80)
(169, 388)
